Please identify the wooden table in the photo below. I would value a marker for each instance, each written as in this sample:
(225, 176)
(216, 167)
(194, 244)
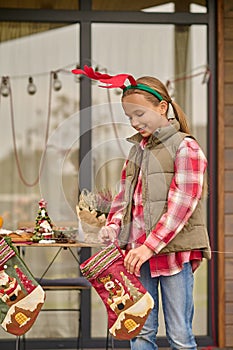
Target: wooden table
(60, 286)
(60, 247)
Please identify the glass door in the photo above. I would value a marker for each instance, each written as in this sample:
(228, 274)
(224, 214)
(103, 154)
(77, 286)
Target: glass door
(139, 49)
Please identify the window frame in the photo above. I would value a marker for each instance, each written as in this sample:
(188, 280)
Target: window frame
(86, 17)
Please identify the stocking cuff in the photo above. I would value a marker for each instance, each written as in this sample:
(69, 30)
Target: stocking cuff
(95, 265)
(6, 252)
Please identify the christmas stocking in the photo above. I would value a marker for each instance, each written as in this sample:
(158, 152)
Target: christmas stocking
(21, 298)
(127, 302)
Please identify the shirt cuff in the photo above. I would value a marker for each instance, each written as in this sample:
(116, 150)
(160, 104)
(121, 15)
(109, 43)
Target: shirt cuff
(115, 227)
(154, 243)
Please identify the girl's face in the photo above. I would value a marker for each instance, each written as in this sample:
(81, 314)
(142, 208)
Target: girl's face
(143, 115)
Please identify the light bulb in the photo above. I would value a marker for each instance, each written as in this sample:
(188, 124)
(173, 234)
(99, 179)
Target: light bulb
(57, 85)
(77, 77)
(118, 91)
(31, 89)
(4, 88)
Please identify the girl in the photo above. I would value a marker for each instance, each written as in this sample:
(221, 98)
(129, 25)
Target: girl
(157, 214)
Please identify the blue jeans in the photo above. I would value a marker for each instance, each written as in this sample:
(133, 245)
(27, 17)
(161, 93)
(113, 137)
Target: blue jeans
(177, 301)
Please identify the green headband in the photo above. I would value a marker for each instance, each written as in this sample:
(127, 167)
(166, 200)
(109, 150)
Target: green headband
(144, 88)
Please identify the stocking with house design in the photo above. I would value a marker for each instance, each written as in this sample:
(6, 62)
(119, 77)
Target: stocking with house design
(21, 297)
(127, 302)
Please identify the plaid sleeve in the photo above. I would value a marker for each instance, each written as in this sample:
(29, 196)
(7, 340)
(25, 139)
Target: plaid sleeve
(184, 193)
(114, 218)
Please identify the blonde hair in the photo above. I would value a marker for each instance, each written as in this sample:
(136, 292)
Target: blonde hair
(158, 86)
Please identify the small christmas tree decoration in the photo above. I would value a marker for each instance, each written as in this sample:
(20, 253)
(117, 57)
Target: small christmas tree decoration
(43, 226)
(127, 302)
(26, 282)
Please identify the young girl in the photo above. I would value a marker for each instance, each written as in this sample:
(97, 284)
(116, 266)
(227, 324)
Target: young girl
(157, 214)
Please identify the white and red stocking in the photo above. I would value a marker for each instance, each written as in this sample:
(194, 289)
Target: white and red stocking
(127, 302)
(21, 298)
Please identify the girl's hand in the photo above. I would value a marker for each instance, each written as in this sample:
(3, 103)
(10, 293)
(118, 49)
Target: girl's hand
(107, 234)
(136, 257)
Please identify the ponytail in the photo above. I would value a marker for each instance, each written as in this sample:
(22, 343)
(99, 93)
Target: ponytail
(181, 117)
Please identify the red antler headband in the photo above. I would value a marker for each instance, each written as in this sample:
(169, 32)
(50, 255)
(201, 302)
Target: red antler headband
(116, 81)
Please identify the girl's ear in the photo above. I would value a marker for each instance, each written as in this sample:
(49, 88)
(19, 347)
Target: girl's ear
(163, 107)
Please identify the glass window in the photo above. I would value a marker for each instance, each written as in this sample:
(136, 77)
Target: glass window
(35, 61)
(140, 50)
(39, 137)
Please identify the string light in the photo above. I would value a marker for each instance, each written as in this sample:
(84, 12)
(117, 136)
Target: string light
(206, 77)
(57, 85)
(5, 88)
(31, 88)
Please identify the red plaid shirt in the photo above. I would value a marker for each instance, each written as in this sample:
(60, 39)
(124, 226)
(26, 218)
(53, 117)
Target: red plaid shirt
(183, 195)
